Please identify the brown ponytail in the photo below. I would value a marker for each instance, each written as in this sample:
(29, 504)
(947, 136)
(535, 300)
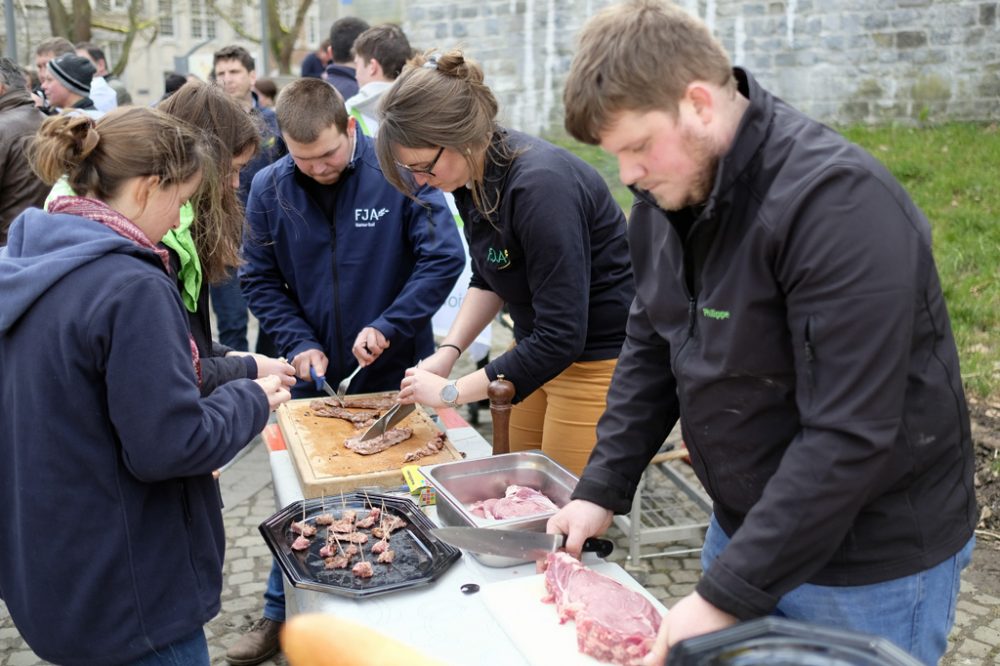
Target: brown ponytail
(98, 159)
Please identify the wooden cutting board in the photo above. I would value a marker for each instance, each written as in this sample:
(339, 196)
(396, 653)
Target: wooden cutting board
(326, 467)
(533, 626)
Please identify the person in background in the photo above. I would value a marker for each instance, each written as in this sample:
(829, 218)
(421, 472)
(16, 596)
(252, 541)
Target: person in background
(172, 82)
(267, 92)
(235, 72)
(315, 62)
(19, 121)
(788, 312)
(343, 269)
(568, 285)
(105, 97)
(96, 55)
(88, 279)
(67, 85)
(340, 71)
(46, 50)
(379, 55)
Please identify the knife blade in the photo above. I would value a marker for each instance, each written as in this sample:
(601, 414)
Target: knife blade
(395, 414)
(515, 543)
(323, 385)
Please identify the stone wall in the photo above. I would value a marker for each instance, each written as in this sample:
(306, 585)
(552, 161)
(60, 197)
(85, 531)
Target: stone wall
(845, 61)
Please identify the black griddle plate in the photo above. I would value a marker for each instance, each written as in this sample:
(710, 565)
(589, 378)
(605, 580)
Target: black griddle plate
(420, 557)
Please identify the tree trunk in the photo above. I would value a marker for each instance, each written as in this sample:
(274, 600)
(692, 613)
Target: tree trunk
(81, 21)
(58, 19)
(283, 39)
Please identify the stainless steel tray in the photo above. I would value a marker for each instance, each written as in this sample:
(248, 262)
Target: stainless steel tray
(420, 557)
(458, 484)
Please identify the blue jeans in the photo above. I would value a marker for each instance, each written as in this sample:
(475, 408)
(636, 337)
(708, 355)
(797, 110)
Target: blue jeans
(915, 612)
(230, 313)
(274, 595)
(192, 650)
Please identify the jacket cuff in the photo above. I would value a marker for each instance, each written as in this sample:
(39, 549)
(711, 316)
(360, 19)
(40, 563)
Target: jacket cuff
(728, 592)
(384, 327)
(251, 365)
(616, 500)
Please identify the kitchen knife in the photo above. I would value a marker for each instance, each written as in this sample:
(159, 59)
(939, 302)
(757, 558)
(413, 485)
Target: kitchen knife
(323, 385)
(514, 543)
(395, 414)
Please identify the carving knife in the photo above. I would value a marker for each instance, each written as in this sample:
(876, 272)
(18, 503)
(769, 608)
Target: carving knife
(395, 414)
(514, 543)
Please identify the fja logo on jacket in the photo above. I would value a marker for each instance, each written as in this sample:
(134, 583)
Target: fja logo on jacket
(367, 217)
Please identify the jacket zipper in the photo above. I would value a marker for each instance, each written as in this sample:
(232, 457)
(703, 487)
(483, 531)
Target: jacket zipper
(341, 366)
(810, 353)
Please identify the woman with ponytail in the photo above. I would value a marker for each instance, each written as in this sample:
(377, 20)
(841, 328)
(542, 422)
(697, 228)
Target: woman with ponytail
(545, 237)
(113, 539)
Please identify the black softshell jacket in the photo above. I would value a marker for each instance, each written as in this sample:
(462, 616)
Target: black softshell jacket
(799, 332)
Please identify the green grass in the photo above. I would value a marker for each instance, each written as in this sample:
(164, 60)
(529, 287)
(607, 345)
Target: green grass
(953, 173)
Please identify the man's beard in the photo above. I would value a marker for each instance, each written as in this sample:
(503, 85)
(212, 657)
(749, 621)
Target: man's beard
(705, 155)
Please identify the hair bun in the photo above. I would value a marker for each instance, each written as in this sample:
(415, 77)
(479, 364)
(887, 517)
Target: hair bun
(453, 63)
(89, 141)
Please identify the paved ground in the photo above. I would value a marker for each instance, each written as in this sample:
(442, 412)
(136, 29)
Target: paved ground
(249, 499)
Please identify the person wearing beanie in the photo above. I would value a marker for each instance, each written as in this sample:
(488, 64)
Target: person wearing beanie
(67, 85)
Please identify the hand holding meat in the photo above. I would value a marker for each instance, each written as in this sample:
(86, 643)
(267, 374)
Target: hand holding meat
(274, 390)
(579, 520)
(369, 345)
(691, 616)
(280, 368)
(422, 387)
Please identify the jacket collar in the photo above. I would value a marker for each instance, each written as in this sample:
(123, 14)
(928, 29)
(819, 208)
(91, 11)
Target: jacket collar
(14, 98)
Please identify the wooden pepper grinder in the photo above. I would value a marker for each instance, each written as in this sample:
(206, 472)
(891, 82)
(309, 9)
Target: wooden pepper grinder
(501, 393)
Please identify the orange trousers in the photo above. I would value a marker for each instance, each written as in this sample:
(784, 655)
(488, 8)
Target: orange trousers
(560, 418)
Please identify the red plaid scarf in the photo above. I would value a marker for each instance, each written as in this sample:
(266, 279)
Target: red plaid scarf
(98, 211)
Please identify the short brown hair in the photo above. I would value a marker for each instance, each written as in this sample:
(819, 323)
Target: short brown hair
(307, 107)
(57, 46)
(638, 55)
(386, 43)
(234, 52)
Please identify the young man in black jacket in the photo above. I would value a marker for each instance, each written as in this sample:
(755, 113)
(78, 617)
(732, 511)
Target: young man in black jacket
(789, 313)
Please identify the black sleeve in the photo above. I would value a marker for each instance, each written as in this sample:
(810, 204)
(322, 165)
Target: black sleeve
(217, 370)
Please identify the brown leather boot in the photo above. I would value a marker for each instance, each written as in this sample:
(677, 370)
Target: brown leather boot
(257, 645)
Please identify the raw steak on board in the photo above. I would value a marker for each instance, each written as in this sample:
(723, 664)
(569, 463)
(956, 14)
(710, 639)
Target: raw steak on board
(613, 623)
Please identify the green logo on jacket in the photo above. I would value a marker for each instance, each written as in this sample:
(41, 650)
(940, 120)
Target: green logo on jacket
(499, 257)
(715, 314)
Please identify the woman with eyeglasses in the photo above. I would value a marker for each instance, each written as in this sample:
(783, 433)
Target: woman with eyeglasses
(545, 237)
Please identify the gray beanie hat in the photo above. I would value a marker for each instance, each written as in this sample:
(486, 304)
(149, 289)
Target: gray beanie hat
(74, 72)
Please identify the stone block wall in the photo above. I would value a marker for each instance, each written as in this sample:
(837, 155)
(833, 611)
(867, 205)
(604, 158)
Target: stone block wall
(842, 61)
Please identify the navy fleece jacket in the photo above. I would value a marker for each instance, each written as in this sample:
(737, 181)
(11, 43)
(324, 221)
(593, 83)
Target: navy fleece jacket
(383, 261)
(111, 539)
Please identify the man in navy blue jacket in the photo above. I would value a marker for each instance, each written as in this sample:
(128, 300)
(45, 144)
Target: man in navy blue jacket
(341, 269)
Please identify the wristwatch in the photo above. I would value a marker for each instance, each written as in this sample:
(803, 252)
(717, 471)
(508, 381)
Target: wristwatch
(449, 394)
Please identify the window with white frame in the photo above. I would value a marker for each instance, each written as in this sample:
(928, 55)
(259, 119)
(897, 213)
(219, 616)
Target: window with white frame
(202, 20)
(165, 17)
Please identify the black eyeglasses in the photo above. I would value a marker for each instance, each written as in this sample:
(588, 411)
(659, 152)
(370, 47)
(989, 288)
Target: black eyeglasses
(427, 170)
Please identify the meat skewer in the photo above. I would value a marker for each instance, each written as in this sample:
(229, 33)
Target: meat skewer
(363, 569)
(323, 518)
